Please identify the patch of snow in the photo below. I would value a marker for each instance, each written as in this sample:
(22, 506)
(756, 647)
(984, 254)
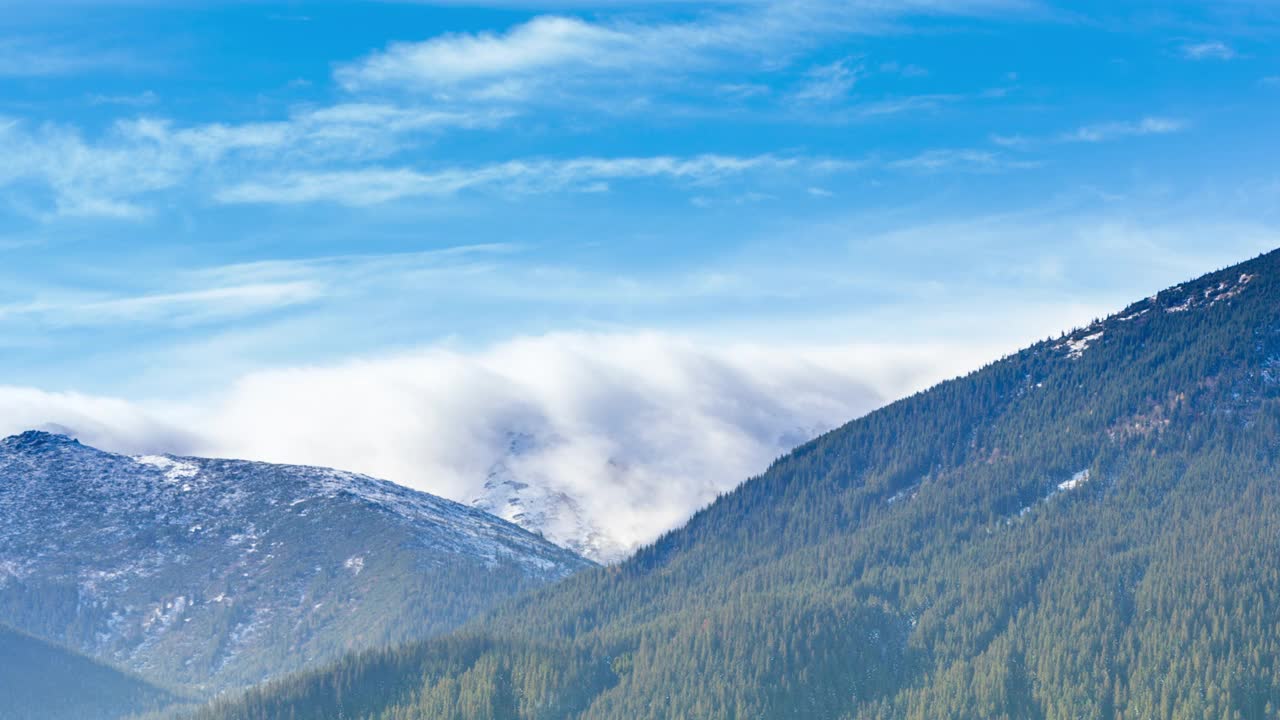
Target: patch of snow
(13, 569)
(1076, 346)
(1226, 293)
(1213, 295)
(1076, 480)
(355, 564)
(165, 614)
(174, 470)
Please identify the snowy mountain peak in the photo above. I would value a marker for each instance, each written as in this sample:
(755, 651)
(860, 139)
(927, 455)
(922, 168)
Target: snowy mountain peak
(210, 574)
(33, 439)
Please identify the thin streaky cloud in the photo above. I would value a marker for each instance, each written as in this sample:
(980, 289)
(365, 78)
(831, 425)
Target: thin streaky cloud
(106, 176)
(1095, 132)
(142, 99)
(964, 159)
(1210, 50)
(828, 83)
(371, 186)
(31, 58)
(1103, 132)
(173, 307)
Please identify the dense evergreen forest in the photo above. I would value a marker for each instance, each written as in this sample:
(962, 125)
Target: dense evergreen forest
(1086, 529)
(40, 680)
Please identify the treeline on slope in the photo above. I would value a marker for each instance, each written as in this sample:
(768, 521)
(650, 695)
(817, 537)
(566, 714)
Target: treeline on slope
(41, 680)
(927, 560)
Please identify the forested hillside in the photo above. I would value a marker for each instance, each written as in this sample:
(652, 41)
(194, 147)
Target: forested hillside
(39, 680)
(1086, 529)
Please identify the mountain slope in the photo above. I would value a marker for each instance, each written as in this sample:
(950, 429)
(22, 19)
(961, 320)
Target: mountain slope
(212, 574)
(40, 680)
(1086, 529)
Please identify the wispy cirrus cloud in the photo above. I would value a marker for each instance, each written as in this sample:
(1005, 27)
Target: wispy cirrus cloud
(236, 292)
(1103, 132)
(34, 58)
(369, 186)
(1098, 132)
(170, 308)
(965, 159)
(107, 176)
(142, 99)
(559, 49)
(376, 185)
(1209, 50)
(827, 83)
(451, 59)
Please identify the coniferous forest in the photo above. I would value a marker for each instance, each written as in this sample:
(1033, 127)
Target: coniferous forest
(46, 681)
(1086, 529)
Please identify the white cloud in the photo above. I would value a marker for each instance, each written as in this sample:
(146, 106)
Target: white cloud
(906, 71)
(180, 308)
(369, 186)
(639, 429)
(28, 58)
(1103, 132)
(536, 45)
(958, 159)
(326, 152)
(475, 81)
(102, 421)
(828, 83)
(1211, 50)
(142, 99)
(554, 49)
(898, 105)
(1096, 132)
(108, 176)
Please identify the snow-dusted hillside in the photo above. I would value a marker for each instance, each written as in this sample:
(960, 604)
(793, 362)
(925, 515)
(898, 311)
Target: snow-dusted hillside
(216, 573)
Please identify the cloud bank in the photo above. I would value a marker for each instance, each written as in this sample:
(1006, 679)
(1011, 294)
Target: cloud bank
(629, 433)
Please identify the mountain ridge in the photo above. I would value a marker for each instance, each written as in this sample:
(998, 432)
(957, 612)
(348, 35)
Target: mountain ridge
(211, 574)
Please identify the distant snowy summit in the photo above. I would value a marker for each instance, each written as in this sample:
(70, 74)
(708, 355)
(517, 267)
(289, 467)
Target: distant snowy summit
(518, 488)
(211, 574)
(538, 505)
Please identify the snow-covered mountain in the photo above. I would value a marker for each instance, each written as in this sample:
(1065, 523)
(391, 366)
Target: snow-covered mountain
(211, 574)
(587, 513)
(534, 501)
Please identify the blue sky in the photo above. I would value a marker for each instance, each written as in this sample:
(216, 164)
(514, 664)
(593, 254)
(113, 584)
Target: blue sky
(672, 165)
(196, 193)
